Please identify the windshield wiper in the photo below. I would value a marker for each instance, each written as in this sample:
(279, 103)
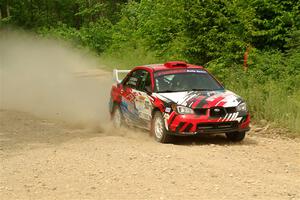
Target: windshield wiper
(201, 89)
(185, 90)
(166, 91)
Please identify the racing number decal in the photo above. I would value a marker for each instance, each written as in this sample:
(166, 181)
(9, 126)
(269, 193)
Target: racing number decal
(140, 103)
(143, 105)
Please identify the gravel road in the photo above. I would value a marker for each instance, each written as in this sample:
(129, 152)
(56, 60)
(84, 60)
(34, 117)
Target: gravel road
(43, 159)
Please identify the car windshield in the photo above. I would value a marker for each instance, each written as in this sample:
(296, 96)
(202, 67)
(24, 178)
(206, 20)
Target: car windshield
(185, 80)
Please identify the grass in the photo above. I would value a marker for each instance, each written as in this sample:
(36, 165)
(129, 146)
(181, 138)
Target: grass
(269, 101)
(128, 58)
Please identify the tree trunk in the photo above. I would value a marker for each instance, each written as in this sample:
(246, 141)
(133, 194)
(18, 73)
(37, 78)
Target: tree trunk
(4, 9)
(31, 12)
(47, 12)
(7, 9)
(77, 18)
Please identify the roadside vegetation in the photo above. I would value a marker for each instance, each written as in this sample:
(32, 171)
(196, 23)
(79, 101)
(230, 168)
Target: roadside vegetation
(218, 34)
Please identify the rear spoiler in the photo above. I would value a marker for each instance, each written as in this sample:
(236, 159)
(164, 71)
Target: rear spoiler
(116, 73)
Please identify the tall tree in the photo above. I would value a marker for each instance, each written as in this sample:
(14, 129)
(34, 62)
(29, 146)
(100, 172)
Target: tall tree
(4, 9)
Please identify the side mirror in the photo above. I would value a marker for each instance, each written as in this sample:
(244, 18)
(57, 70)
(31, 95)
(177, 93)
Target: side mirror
(148, 90)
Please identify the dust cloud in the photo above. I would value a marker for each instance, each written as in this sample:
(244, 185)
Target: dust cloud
(50, 79)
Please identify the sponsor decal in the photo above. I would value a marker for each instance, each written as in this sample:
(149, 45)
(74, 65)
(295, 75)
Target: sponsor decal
(217, 109)
(178, 71)
(167, 110)
(196, 71)
(174, 71)
(143, 106)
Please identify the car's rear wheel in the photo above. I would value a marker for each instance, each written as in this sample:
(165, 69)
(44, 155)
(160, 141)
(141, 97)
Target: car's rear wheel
(236, 136)
(117, 118)
(158, 129)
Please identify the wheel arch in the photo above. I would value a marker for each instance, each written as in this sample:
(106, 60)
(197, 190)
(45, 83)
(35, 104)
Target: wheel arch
(154, 111)
(112, 105)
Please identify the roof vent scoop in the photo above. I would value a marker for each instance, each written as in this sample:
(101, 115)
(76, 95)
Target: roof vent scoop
(175, 64)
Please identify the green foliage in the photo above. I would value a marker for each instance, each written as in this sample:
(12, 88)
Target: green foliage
(274, 21)
(96, 35)
(61, 32)
(215, 31)
(127, 58)
(199, 31)
(156, 25)
(48, 13)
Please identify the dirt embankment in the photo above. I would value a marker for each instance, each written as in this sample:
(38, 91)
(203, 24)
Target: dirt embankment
(53, 148)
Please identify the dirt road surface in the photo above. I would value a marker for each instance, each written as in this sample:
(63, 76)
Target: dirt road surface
(43, 159)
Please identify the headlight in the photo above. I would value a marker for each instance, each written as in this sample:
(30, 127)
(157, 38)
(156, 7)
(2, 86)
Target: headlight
(241, 107)
(182, 109)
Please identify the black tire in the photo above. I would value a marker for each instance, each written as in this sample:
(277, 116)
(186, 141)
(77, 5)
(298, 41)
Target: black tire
(117, 117)
(158, 123)
(236, 136)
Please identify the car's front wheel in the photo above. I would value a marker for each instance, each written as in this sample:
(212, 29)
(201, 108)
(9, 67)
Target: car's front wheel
(158, 129)
(236, 136)
(117, 117)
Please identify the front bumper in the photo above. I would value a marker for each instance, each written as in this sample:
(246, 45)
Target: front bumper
(192, 124)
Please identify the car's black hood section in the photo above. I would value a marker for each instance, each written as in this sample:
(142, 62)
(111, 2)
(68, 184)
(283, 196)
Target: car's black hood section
(201, 99)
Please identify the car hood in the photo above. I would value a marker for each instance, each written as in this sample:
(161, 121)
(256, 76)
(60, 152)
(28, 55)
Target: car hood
(201, 99)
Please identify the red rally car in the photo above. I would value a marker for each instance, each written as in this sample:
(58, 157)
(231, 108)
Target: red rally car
(177, 98)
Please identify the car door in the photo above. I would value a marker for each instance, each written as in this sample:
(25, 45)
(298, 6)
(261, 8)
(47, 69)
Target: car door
(128, 93)
(143, 99)
(135, 102)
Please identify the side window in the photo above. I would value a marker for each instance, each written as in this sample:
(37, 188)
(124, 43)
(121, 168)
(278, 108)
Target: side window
(145, 81)
(132, 80)
(138, 80)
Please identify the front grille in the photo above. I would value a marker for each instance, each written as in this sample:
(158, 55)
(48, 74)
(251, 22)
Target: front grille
(217, 126)
(230, 109)
(217, 112)
(221, 111)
